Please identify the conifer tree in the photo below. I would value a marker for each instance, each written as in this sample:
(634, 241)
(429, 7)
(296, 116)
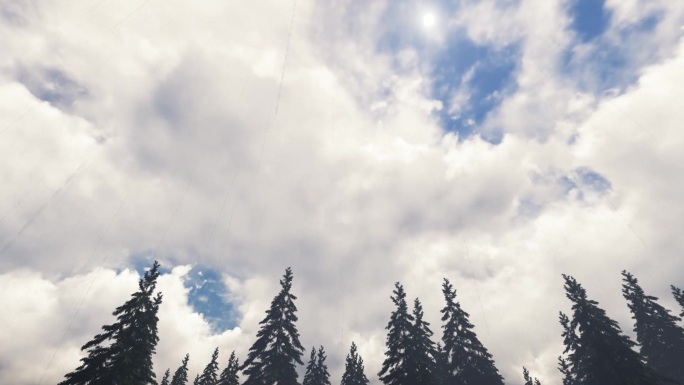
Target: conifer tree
(197, 380)
(564, 368)
(395, 368)
(322, 376)
(528, 379)
(165, 379)
(679, 296)
(210, 374)
(441, 364)
(310, 374)
(273, 356)
(353, 369)
(660, 338)
(422, 349)
(180, 377)
(122, 353)
(599, 352)
(229, 376)
(469, 362)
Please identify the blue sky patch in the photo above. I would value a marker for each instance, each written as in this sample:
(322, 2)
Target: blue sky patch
(208, 296)
(53, 86)
(590, 18)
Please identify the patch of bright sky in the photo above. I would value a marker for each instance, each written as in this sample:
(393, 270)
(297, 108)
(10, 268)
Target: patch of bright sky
(207, 294)
(589, 18)
(455, 64)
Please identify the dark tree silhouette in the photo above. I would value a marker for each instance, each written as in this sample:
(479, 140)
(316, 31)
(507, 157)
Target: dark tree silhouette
(353, 369)
(528, 379)
(658, 333)
(310, 374)
(395, 368)
(272, 358)
(422, 350)
(468, 361)
(441, 374)
(165, 379)
(679, 296)
(229, 376)
(210, 374)
(598, 351)
(122, 353)
(180, 377)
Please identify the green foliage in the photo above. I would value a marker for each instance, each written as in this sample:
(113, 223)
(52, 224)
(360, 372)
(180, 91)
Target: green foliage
(180, 377)
(658, 333)
(679, 296)
(272, 358)
(422, 349)
(353, 369)
(122, 353)
(229, 376)
(395, 368)
(468, 361)
(598, 351)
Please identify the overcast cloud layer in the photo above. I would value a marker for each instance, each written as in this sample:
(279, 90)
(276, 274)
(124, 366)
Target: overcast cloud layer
(344, 139)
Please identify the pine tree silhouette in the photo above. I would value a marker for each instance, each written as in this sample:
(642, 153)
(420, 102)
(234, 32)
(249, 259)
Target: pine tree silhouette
(210, 374)
(180, 377)
(353, 369)
(122, 353)
(528, 379)
(469, 362)
(322, 375)
(395, 368)
(657, 331)
(272, 358)
(441, 374)
(310, 374)
(229, 376)
(422, 350)
(679, 296)
(599, 354)
(165, 379)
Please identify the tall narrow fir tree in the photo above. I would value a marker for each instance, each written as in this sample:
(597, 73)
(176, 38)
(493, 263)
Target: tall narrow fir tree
(468, 361)
(395, 368)
(180, 377)
(272, 358)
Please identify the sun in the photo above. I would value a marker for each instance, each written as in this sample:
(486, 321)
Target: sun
(429, 19)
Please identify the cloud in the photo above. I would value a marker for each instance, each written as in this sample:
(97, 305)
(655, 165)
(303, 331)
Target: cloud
(149, 130)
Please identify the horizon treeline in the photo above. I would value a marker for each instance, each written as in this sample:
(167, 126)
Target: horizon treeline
(596, 350)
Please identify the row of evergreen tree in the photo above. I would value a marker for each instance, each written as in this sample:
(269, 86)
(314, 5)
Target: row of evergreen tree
(596, 351)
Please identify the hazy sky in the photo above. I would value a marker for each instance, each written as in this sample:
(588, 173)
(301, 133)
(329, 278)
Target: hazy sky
(361, 142)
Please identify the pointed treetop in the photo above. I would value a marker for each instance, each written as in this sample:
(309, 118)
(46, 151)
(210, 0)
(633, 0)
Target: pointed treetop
(180, 377)
(679, 297)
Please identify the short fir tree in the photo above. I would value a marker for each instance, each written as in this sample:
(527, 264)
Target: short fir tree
(599, 354)
(422, 349)
(468, 361)
(210, 374)
(122, 353)
(272, 358)
(165, 379)
(229, 375)
(679, 297)
(353, 369)
(658, 333)
(528, 379)
(310, 374)
(180, 377)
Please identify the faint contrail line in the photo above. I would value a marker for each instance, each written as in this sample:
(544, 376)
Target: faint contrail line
(40, 210)
(287, 50)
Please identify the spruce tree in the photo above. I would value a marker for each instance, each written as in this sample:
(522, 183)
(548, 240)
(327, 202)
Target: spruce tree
(310, 374)
(122, 353)
(180, 377)
(165, 379)
(210, 374)
(599, 354)
(528, 379)
(229, 376)
(395, 368)
(441, 376)
(322, 375)
(679, 296)
(277, 349)
(422, 349)
(353, 369)
(197, 380)
(468, 361)
(564, 368)
(660, 338)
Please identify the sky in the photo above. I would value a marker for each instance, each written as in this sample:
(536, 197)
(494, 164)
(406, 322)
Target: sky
(498, 144)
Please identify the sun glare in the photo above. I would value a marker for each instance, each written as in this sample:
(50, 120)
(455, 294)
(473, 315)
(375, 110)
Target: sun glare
(429, 20)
